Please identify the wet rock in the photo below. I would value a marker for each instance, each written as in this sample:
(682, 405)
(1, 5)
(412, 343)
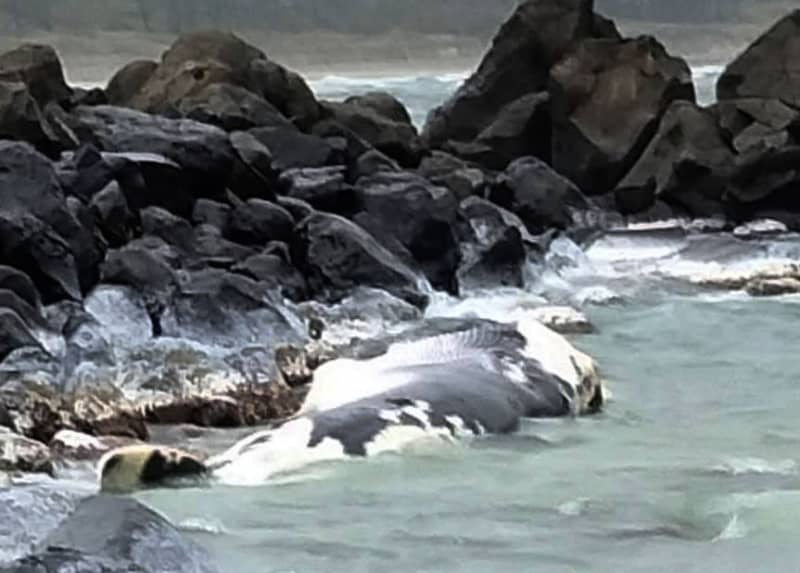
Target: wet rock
(773, 287)
(536, 36)
(291, 148)
(14, 333)
(420, 216)
(500, 263)
(297, 208)
(39, 68)
(106, 534)
(226, 310)
(128, 80)
(563, 320)
(542, 198)
(199, 59)
(23, 454)
(253, 174)
(210, 248)
(28, 513)
(765, 69)
(275, 272)
(761, 228)
(687, 163)
(20, 284)
(324, 188)
(335, 255)
(232, 108)
(396, 139)
(203, 152)
(333, 131)
(457, 175)
(608, 97)
(384, 104)
(765, 180)
(257, 222)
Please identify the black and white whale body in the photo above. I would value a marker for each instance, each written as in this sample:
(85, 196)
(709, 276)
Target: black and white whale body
(449, 379)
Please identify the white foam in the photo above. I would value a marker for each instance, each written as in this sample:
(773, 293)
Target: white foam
(735, 529)
(757, 466)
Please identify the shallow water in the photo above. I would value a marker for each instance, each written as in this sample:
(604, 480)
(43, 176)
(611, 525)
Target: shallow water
(692, 467)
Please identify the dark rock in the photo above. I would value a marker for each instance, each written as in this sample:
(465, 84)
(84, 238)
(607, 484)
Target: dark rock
(207, 212)
(14, 333)
(291, 148)
(227, 310)
(324, 188)
(20, 284)
(39, 68)
(253, 175)
(211, 249)
(521, 128)
(421, 217)
(275, 272)
(766, 180)
(28, 184)
(398, 140)
(686, 164)
(542, 198)
(335, 256)
(257, 222)
(108, 534)
(32, 246)
(537, 35)
(608, 97)
(384, 104)
(203, 152)
(448, 171)
(501, 263)
(22, 119)
(18, 453)
(489, 221)
(755, 124)
(355, 146)
(30, 315)
(232, 108)
(114, 218)
(128, 80)
(170, 228)
(766, 69)
(372, 162)
(91, 96)
(297, 208)
(199, 59)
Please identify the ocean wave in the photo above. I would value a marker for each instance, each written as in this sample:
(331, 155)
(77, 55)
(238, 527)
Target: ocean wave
(756, 466)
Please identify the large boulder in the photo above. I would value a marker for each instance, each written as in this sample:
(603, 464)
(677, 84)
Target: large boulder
(753, 125)
(128, 80)
(384, 104)
(14, 333)
(406, 208)
(537, 35)
(608, 97)
(257, 222)
(108, 534)
(231, 107)
(227, 310)
(39, 68)
(396, 139)
(542, 198)
(21, 117)
(199, 59)
(522, 127)
(336, 256)
(32, 246)
(686, 164)
(768, 68)
(203, 152)
(20, 284)
(324, 188)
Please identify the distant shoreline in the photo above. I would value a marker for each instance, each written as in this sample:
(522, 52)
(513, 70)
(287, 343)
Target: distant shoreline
(92, 59)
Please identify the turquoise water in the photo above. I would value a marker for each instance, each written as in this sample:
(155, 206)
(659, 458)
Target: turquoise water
(691, 468)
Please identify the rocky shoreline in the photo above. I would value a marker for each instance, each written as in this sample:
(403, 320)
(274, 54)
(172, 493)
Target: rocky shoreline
(200, 211)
